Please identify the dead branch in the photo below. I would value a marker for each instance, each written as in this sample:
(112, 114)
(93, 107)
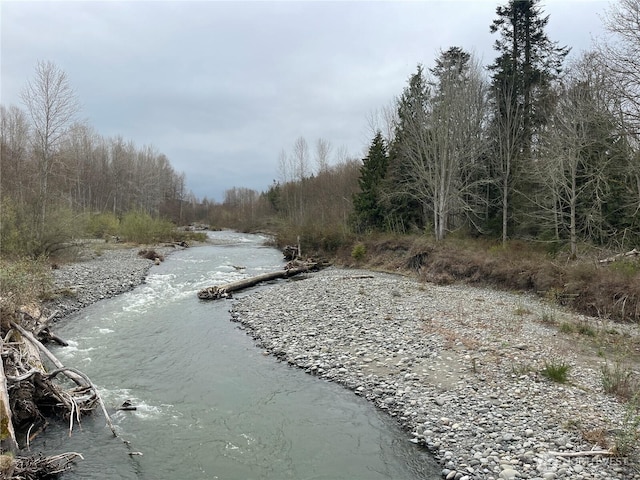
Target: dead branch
(70, 373)
(43, 467)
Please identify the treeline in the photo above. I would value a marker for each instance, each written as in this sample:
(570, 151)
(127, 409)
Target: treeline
(57, 173)
(313, 199)
(530, 147)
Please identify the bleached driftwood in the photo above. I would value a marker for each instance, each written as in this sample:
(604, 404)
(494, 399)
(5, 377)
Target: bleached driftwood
(584, 453)
(224, 291)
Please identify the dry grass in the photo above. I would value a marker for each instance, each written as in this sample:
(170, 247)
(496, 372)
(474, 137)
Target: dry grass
(605, 291)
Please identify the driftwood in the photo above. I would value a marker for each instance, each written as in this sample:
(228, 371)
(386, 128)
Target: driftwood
(27, 390)
(585, 453)
(631, 253)
(8, 442)
(44, 467)
(78, 379)
(290, 252)
(224, 291)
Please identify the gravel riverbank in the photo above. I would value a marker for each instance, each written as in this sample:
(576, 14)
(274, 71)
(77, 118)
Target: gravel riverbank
(459, 367)
(98, 274)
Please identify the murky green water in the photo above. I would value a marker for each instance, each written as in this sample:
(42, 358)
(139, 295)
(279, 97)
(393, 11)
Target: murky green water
(210, 404)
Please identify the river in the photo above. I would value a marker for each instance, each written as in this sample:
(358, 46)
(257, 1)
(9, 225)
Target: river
(210, 405)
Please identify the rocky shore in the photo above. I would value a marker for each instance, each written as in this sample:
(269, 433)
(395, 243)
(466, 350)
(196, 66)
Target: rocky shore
(459, 367)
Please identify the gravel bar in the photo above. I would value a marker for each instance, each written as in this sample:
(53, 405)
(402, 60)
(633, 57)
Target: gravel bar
(99, 276)
(457, 366)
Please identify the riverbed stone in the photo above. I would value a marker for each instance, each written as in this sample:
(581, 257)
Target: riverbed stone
(509, 474)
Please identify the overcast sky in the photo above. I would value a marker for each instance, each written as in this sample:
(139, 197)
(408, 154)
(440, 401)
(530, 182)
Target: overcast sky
(222, 88)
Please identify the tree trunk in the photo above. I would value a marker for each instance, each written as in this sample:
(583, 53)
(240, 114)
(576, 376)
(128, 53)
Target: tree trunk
(573, 234)
(505, 209)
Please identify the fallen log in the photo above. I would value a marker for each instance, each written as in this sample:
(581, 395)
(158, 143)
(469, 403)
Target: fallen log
(224, 291)
(632, 253)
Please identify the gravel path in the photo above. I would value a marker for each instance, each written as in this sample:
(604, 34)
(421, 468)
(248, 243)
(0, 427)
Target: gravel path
(459, 367)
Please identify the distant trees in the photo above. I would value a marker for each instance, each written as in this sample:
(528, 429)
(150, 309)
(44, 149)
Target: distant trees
(528, 152)
(54, 168)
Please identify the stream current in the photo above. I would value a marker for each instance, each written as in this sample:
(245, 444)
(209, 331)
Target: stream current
(210, 405)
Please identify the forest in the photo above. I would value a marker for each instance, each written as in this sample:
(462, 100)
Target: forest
(536, 146)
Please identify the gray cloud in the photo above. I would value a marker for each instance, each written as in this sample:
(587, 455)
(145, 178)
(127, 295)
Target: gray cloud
(222, 87)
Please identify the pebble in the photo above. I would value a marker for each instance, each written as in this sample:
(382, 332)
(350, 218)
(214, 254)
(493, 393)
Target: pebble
(509, 474)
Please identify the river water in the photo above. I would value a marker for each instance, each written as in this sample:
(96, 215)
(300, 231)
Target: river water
(210, 405)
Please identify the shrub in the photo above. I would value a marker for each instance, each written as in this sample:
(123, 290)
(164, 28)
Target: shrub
(359, 251)
(548, 317)
(583, 328)
(567, 327)
(140, 227)
(627, 438)
(625, 267)
(618, 380)
(556, 371)
(102, 225)
(61, 227)
(23, 281)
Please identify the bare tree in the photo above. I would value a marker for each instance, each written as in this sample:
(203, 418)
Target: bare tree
(384, 120)
(581, 148)
(506, 132)
(52, 106)
(323, 150)
(620, 54)
(441, 137)
(300, 159)
(78, 154)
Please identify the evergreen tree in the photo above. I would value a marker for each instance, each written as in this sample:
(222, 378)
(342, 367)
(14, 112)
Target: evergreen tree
(369, 212)
(527, 63)
(522, 95)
